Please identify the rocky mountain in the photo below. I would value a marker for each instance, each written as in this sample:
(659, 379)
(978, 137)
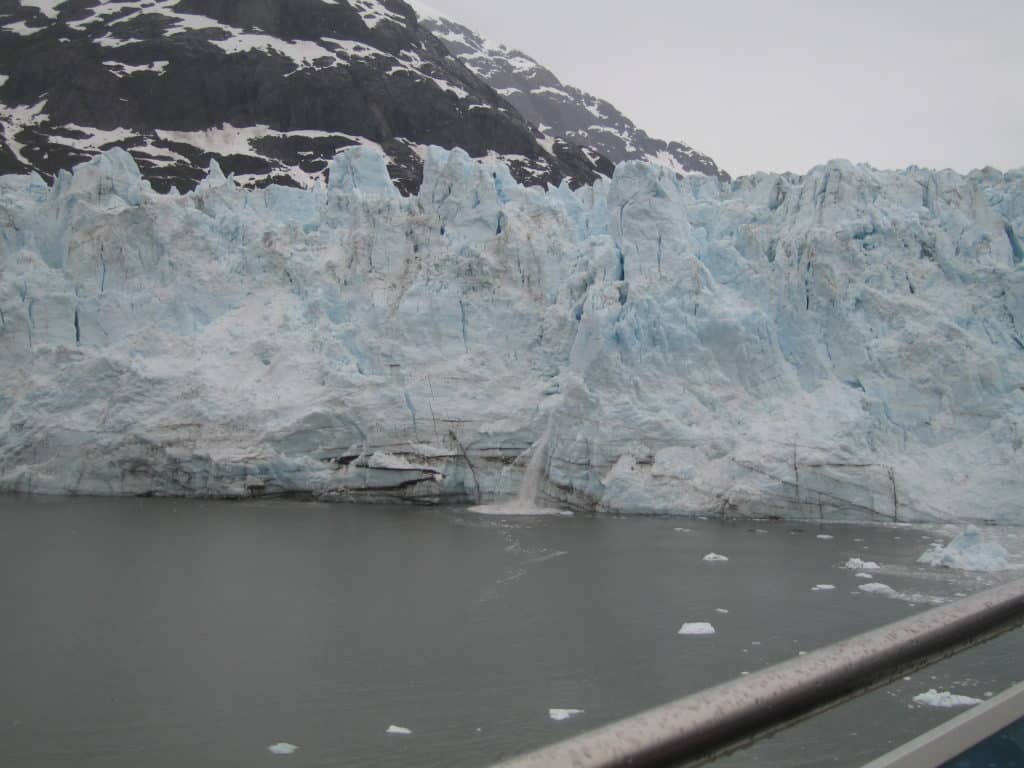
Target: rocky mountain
(271, 89)
(561, 111)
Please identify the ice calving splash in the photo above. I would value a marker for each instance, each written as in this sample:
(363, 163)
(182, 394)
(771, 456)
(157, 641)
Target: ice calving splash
(970, 551)
(525, 502)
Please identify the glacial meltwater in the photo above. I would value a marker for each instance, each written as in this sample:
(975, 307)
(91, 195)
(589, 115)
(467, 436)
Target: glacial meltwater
(144, 633)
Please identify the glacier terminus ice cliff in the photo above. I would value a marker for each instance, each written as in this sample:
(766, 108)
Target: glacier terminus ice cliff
(848, 344)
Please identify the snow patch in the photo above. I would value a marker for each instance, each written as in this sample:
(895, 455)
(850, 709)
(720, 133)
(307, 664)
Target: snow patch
(373, 13)
(23, 29)
(46, 7)
(120, 69)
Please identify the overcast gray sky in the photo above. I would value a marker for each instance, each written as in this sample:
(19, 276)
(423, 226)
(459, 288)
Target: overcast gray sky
(788, 84)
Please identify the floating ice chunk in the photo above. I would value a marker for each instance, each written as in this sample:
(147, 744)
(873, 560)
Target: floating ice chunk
(282, 748)
(711, 557)
(934, 698)
(398, 730)
(970, 551)
(856, 564)
(696, 628)
(864, 576)
(721, 610)
(877, 588)
(824, 537)
(516, 508)
(823, 587)
(563, 714)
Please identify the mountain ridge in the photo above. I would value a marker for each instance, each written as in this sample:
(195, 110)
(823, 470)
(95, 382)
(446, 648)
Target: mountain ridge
(561, 111)
(270, 90)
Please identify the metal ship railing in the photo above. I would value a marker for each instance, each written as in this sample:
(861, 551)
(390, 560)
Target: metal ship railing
(696, 729)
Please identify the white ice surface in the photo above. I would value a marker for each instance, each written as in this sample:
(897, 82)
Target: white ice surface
(877, 588)
(282, 748)
(945, 699)
(856, 564)
(831, 346)
(398, 730)
(563, 714)
(696, 628)
(972, 550)
(711, 557)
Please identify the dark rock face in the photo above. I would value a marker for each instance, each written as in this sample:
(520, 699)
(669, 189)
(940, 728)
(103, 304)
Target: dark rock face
(271, 89)
(562, 111)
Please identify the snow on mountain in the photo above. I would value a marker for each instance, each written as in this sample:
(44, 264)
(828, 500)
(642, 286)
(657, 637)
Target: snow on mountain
(842, 345)
(272, 90)
(563, 112)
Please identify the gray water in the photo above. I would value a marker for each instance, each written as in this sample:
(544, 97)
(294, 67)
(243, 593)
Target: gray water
(142, 633)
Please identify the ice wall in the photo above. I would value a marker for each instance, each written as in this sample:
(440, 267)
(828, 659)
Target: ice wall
(846, 344)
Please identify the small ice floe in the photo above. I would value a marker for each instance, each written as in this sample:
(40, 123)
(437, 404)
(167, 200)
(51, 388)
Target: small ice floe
(683, 530)
(864, 576)
(823, 587)
(721, 610)
(711, 557)
(696, 628)
(934, 698)
(282, 748)
(563, 714)
(856, 564)
(970, 551)
(397, 730)
(877, 588)
(824, 537)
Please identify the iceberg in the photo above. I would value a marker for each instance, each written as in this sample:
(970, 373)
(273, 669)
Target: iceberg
(842, 345)
(945, 699)
(282, 748)
(696, 628)
(563, 714)
(877, 588)
(970, 551)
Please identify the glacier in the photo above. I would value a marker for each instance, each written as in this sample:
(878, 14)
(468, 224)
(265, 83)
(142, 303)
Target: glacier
(843, 345)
